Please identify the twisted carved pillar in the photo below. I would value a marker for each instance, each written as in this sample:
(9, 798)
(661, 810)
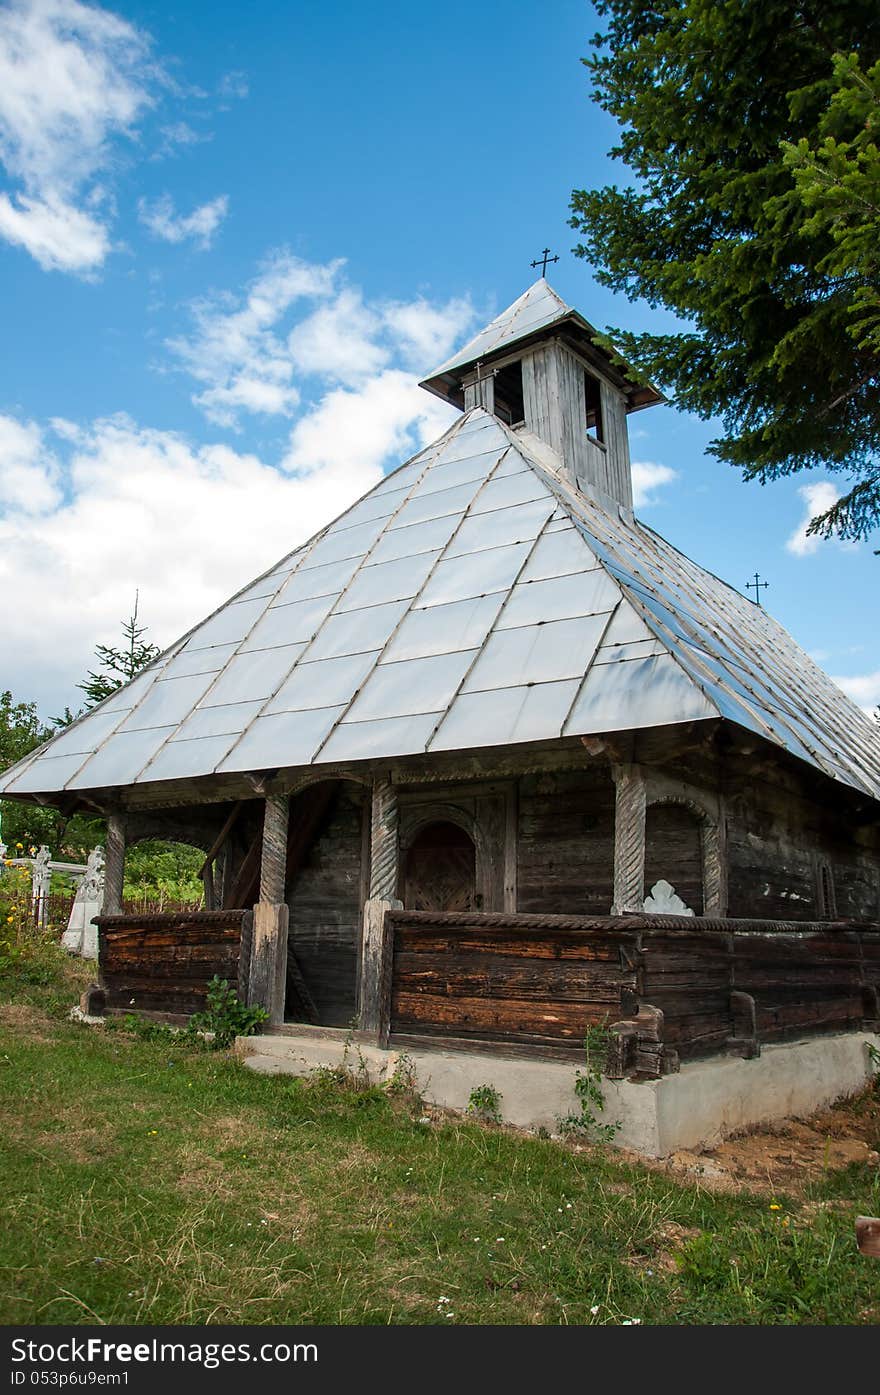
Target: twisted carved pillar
(114, 865)
(385, 819)
(377, 946)
(714, 869)
(273, 867)
(629, 839)
(267, 981)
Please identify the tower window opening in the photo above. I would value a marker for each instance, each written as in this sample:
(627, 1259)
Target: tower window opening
(509, 404)
(593, 403)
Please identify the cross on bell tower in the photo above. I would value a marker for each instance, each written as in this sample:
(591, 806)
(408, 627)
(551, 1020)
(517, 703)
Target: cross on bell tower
(543, 260)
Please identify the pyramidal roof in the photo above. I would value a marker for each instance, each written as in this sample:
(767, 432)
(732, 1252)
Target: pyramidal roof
(471, 600)
(535, 309)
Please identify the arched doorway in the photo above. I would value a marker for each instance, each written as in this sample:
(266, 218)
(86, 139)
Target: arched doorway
(674, 851)
(440, 871)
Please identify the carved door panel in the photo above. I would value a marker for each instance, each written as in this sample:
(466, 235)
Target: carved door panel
(440, 870)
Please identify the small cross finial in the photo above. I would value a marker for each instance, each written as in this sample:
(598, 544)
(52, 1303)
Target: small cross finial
(543, 260)
(757, 584)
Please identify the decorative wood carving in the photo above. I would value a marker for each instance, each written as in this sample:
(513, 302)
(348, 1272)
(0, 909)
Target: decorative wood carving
(273, 862)
(664, 901)
(114, 864)
(629, 838)
(385, 819)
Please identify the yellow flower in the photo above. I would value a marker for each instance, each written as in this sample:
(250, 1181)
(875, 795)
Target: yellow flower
(774, 1206)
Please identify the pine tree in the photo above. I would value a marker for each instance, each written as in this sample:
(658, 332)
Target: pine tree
(119, 666)
(745, 221)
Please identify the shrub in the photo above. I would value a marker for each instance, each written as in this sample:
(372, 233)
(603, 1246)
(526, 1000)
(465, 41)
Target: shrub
(226, 1016)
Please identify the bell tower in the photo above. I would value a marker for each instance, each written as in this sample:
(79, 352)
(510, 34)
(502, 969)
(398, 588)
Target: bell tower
(538, 368)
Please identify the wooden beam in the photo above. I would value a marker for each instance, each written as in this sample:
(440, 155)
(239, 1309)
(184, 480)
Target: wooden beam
(267, 980)
(229, 824)
(377, 937)
(245, 888)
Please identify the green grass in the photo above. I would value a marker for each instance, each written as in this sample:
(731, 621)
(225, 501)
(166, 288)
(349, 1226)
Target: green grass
(149, 1183)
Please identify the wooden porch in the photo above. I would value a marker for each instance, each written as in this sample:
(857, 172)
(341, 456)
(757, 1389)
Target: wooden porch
(673, 989)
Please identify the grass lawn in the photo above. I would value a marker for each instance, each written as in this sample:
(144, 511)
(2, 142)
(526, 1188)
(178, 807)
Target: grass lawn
(144, 1182)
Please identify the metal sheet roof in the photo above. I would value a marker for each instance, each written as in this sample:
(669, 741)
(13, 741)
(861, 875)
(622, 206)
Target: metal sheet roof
(536, 308)
(472, 599)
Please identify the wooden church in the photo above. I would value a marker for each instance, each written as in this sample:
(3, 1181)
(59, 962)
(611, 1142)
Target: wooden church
(487, 760)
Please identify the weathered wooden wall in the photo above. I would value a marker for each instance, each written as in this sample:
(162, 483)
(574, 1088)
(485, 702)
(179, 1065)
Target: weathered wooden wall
(545, 979)
(565, 842)
(539, 979)
(326, 901)
(673, 852)
(163, 963)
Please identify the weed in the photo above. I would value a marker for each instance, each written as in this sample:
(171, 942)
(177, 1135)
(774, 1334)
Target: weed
(588, 1088)
(226, 1016)
(484, 1102)
(403, 1082)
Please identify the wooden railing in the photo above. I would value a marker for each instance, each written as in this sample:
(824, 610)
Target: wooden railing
(163, 963)
(697, 986)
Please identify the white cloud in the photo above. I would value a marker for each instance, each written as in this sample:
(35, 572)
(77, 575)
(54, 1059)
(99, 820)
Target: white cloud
(58, 235)
(863, 688)
(297, 320)
(72, 78)
(647, 478)
(90, 513)
(427, 333)
(28, 472)
(338, 340)
(818, 498)
(235, 349)
(139, 509)
(389, 415)
(179, 135)
(160, 217)
(233, 85)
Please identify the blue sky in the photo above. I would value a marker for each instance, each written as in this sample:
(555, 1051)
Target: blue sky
(232, 240)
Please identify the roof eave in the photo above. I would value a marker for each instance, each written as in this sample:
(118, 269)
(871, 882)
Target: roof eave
(445, 381)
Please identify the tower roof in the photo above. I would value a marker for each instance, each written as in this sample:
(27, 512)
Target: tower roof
(537, 310)
(473, 599)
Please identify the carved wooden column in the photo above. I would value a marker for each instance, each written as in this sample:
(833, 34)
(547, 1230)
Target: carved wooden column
(714, 866)
(267, 981)
(629, 839)
(114, 865)
(377, 943)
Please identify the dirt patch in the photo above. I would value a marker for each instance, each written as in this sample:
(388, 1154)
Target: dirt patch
(789, 1156)
(232, 1131)
(22, 1017)
(662, 1258)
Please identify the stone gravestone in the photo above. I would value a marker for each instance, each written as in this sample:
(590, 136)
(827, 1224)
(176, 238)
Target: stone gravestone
(81, 936)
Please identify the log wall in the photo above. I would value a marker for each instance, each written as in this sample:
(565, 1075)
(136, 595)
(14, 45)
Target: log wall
(163, 963)
(545, 979)
(565, 842)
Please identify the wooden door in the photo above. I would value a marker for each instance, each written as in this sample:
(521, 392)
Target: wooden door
(440, 870)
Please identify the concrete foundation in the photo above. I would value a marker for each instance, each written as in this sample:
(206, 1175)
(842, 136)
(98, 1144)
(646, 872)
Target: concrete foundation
(696, 1108)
